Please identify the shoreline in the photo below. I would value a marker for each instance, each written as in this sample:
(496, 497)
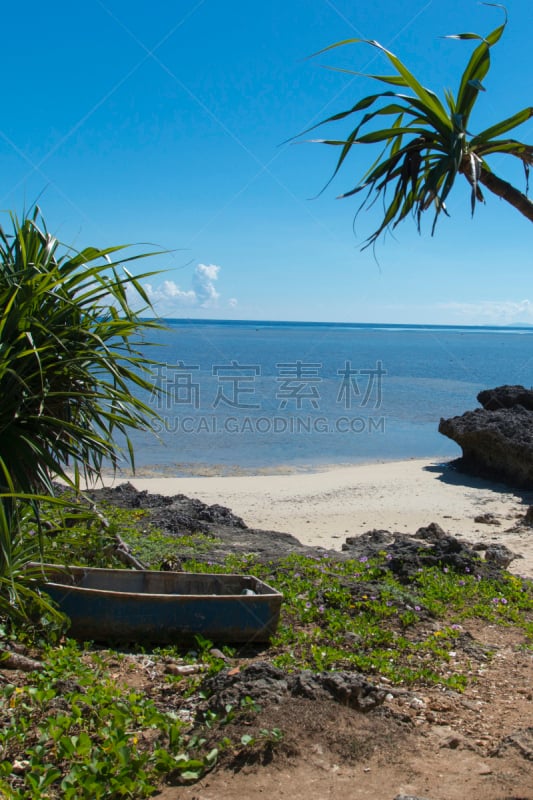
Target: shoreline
(186, 471)
(323, 508)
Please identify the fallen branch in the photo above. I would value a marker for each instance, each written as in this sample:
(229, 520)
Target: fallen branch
(9, 660)
(123, 552)
(119, 548)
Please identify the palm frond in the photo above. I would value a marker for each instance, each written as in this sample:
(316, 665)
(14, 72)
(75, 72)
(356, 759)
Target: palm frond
(426, 144)
(503, 127)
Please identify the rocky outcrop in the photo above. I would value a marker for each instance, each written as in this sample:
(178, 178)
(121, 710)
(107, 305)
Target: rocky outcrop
(506, 397)
(430, 546)
(264, 683)
(223, 532)
(497, 440)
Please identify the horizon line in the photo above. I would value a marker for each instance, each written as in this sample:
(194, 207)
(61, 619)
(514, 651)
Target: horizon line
(229, 321)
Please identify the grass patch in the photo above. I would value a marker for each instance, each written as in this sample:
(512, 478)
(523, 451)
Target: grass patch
(88, 540)
(356, 615)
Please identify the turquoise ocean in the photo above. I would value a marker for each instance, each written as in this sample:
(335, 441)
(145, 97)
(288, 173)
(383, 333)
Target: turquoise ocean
(264, 396)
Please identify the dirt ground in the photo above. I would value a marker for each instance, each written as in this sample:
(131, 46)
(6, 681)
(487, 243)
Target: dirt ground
(433, 744)
(421, 744)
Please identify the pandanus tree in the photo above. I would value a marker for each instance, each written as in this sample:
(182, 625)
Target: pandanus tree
(69, 358)
(72, 352)
(427, 143)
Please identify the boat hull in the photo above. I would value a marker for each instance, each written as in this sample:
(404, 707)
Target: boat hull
(162, 607)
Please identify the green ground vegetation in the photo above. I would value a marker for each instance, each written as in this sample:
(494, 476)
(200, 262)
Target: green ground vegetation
(75, 731)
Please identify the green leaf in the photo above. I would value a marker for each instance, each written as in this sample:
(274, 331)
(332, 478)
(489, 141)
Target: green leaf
(427, 98)
(387, 134)
(476, 70)
(404, 78)
(509, 146)
(505, 125)
(191, 775)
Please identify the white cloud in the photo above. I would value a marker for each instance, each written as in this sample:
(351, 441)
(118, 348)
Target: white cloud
(203, 282)
(170, 291)
(169, 298)
(233, 302)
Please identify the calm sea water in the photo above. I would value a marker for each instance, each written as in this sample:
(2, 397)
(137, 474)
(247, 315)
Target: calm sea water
(260, 396)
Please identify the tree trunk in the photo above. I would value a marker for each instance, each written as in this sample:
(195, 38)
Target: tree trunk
(507, 192)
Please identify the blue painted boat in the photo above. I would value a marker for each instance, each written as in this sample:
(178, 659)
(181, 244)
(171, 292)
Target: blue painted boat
(161, 607)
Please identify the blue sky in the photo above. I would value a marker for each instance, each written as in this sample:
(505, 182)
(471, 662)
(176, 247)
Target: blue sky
(165, 123)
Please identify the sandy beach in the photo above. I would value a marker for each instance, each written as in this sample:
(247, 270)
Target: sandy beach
(323, 508)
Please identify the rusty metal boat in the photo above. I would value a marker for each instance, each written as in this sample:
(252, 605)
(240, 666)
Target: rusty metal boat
(159, 607)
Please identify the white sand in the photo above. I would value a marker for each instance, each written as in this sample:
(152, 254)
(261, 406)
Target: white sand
(324, 508)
